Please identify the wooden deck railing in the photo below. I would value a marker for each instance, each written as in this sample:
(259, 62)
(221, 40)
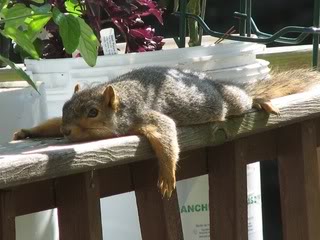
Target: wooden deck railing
(42, 174)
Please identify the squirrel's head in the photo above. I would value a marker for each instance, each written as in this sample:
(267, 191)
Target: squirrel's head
(89, 114)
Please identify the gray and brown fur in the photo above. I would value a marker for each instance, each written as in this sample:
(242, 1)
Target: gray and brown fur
(153, 101)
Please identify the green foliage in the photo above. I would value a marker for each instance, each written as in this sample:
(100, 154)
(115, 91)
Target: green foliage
(3, 4)
(21, 39)
(57, 15)
(69, 30)
(46, 8)
(36, 25)
(38, 1)
(88, 43)
(77, 34)
(23, 24)
(73, 7)
(16, 15)
(19, 71)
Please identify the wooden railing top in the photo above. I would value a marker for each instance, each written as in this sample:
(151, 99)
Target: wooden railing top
(34, 160)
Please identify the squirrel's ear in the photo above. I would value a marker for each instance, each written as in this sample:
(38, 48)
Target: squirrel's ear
(111, 98)
(76, 88)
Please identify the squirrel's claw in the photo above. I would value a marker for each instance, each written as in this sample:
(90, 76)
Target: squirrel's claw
(166, 185)
(271, 109)
(21, 134)
(266, 106)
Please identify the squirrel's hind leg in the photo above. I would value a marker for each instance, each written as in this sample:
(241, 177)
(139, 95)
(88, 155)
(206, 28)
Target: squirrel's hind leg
(266, 105)
(49, 128)
(162, 134)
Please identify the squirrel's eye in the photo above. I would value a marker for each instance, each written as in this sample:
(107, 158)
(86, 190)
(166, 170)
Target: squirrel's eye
(93, 113)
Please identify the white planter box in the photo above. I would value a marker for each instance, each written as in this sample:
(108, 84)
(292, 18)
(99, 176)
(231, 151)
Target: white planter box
(22, 107)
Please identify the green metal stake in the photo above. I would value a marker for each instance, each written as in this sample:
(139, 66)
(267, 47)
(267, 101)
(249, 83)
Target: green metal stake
(182, 24)
(242, 22)
(248, 21)
(202, 15)
(193, 7)
(316, 23)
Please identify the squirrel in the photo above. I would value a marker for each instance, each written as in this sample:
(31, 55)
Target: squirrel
(154, 101)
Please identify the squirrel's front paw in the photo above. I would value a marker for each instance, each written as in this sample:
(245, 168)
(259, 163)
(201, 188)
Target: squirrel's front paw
(21, 134)
(166, 183)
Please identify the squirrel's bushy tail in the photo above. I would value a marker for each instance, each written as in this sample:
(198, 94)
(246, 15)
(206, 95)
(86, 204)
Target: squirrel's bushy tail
(283, 83)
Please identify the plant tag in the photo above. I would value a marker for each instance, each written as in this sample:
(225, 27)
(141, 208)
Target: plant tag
(108, 41)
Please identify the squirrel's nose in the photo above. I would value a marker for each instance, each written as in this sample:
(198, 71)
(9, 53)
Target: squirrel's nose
(66, 131)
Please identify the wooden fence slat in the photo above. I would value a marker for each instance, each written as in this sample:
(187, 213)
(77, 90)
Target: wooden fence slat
(34, 197)
(78, 202)
(299, 181)
(228, 192)
(159, 218)
(192, 164)
(119, 178)
(260, 147)
(7, 216)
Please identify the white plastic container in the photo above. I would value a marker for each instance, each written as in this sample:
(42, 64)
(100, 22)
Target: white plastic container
(231, 60)
(236, 60)
(22, 107)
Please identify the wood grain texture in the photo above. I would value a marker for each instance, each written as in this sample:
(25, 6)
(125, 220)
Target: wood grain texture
(299, 181)
(35, 160)
(261, 147)
(192, 164)
(115, 180)
(159, 217)
(34, 197)
(228, 191)
(7, 216)
(78, 202)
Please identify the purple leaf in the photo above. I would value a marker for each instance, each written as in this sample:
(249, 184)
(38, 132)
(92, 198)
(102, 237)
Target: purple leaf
(125, 15)
(157, 13)
(142, 33)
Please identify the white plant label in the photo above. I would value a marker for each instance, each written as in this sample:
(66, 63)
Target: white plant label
(108, 41)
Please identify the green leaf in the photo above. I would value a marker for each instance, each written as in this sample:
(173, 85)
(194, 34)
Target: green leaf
(73, 7)
(20, 72)
(57, 16)
(38, 1)
(36, 25)
(21, 39)
(3, 4)
(42, 9)
(88, 44)
(14, 16)
(69, 30)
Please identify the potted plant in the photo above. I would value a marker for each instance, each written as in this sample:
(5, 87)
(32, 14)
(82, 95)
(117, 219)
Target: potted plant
(66, 24)
(75, 25)
(56, 29)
